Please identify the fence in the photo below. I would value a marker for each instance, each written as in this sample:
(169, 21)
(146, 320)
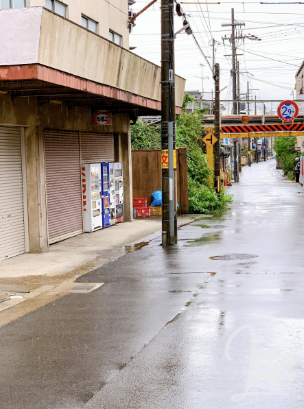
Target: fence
(147, 176)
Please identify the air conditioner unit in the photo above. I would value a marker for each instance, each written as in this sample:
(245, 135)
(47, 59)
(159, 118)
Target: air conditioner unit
(131, 14)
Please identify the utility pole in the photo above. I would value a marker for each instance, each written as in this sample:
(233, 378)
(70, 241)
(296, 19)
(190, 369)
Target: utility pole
(213, 54)
(169, 221)
(235, 162)
(217, 134)
(202, 78)
(232, 39)
(256, 151)
(234, 81)
(247, 97)
(249, 152)
(233, 46)
(248, 142)
(233, 59)
(238, 86)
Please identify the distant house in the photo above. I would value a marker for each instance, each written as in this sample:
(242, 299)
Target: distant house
(299, 87)
(201, 101)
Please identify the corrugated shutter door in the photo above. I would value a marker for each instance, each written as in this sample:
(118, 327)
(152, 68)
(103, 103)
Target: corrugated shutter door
(63, 182)
(12, 231)
(97, 147)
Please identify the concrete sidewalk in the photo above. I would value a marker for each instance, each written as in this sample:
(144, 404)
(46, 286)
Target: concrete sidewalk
(81, 254)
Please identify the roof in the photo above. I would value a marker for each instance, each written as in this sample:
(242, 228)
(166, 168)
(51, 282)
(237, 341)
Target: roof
(300, 69)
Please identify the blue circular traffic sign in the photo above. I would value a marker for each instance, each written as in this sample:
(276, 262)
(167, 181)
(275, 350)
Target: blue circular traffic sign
(288, 110)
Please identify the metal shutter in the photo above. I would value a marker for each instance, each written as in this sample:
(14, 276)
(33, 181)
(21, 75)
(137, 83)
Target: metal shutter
(63, 183)
(12, 228)
(97, 147)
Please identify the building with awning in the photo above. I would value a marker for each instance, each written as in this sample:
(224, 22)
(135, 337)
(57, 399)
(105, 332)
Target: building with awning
(55, 75)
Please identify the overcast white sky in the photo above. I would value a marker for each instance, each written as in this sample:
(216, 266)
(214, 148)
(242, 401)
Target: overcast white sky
(269, 65)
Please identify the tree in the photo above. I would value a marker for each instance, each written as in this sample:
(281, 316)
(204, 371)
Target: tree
(284, 145)
(189, 135)
(144, 136)
(189, 129)
(284, 148)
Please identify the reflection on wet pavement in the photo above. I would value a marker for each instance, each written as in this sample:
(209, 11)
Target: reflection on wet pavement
(136, 246)
(155, 334)
(206, 238)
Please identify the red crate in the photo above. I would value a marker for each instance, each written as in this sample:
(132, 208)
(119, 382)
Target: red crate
(139, 202)
(142, 211)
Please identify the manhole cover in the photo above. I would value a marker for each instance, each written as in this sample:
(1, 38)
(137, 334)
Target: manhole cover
(82, 288)
(234, 257)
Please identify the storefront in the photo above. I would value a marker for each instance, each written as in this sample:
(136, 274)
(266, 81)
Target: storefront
(13, 225)
(57, 113)
(65, 152)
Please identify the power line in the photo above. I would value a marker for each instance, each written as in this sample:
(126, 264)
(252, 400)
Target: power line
(206, 59)
(268, 82)
(268, 58)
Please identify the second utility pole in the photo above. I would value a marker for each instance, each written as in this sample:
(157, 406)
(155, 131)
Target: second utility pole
(217, 130)
(248, 112)
(169, 221)
(233, 46)
(233, 63)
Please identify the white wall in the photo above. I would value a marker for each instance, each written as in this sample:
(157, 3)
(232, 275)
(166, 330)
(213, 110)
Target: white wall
(20, 34)
(35, 35)
(110, 15)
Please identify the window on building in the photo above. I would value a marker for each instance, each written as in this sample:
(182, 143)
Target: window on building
(13, 4)
(56, 6)
(115, 38)
(89, 24)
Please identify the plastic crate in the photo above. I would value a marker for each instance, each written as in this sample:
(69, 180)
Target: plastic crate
(142, 211)
(139, 202)
(155, 211)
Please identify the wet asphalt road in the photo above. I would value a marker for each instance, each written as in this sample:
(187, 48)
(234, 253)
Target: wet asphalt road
(154, 335)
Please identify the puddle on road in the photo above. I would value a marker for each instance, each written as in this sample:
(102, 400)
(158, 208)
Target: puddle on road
(136, 247)
(205, 217)
(200, 288)
(233, 257)
(206, 238)
(214, 226)
(195, 272)
(180, 291)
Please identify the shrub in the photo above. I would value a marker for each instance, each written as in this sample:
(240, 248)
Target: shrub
(145, 136)
(284, 149)
(283, 145)
(205, 200)
(202, 199)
